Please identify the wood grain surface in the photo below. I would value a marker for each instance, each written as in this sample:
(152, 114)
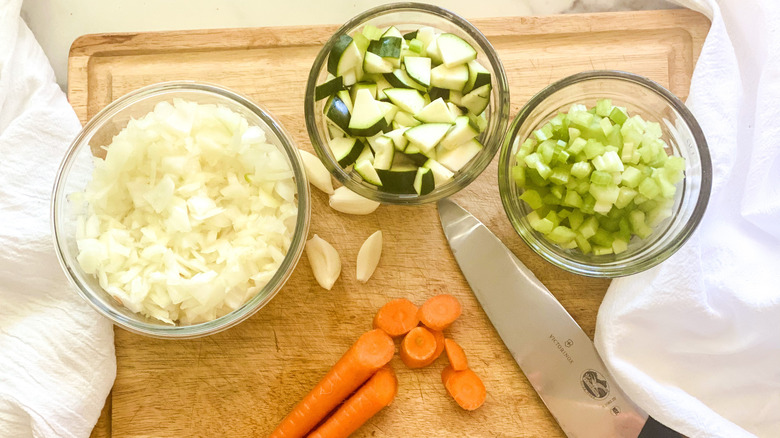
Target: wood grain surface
(241, 382)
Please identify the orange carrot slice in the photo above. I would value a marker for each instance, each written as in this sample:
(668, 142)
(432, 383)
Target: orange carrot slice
(439, 344)
(446, 373)
(397, 317)
(372, 351)
(418, 347)
(465, 387)
(374, 395)
(455, 355)
(439, 311)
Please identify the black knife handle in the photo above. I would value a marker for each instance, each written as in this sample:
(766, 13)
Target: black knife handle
(654, 429)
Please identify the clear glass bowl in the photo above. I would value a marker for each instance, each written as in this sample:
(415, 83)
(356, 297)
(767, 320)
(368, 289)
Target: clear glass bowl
(682, 134)
(75, 172)
(408, 17)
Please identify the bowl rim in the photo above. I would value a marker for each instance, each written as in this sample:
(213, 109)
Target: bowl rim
(595, 269)
(464, 177)
(252, 305)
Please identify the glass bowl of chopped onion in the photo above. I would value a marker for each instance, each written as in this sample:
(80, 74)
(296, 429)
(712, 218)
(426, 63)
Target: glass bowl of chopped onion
(406, 103)
(605, 173)
(180, 210)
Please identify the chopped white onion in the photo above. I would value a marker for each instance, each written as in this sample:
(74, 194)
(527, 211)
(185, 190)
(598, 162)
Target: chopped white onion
(189, 215)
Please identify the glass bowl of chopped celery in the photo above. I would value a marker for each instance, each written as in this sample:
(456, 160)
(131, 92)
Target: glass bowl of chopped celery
(180, 210)
(605, 173)
(406, 103)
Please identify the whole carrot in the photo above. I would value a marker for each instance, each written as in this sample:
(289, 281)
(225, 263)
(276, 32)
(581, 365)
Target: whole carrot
(374, 395)
(372, 351)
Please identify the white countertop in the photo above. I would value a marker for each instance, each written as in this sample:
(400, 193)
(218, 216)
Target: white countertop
(57, 23)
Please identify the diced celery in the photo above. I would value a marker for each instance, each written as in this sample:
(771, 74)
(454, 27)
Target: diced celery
(619, 245)
(544, 170)
(649, 188)
(576, 218)
(631, 177)
(551, 200)
(601, 250)
(589, 227)
(557, 191)
(542, 225)
(604, 107)
(560, 156)
(624, 230)
(582, 187)
(593, 148)
(638, 226)
(653, 129)
(574, 133)
(602, 238)
(577, 145)
(581, 119)
(625, 197)
(627, 152)
(606, 194)
(675, 163)
(532, 160)
(532, 177)
(581, 169)
(572, 199)
(588, 203)
(618, 115)
(532, 198)
(563, 213)
(552, 216)
(546, 150)
(615, 138)
(601, 178)
(611, 161)
(562, 234)
(667, 188)
(582, 243)
(518, 174)
(570, 245)
(606, 125)
(658, 214)
(544, 133)
(560, 175)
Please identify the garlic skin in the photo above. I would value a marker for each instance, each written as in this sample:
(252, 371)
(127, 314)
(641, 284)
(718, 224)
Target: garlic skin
(347, 201)
(368, 256)
(316, 172)
(324, 260)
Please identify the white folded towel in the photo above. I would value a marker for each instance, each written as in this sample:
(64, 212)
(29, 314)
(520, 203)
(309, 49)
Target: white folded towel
(696, 340)
(57, 360)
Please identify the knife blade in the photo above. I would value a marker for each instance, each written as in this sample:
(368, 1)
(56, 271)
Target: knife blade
(558, 358)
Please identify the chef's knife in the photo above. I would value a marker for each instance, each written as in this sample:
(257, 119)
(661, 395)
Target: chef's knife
(557, 357)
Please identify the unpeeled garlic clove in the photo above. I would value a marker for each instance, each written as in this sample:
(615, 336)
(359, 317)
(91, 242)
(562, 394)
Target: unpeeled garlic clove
(368, 256)
(316, 172)
(347, 201)
(324, 260)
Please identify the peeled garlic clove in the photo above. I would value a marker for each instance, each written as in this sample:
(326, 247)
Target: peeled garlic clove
(347, 201)
(325, 261)
(368, 256)
(316, 172)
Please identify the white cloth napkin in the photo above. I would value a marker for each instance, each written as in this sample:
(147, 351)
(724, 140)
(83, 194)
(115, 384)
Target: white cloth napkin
(696, 340)
(57, 360)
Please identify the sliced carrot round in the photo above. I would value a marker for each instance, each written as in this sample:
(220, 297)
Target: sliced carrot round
(466, 388)
(455, 355)
(439, 311)
(439, 344)
(446, 373)
(418, 347)
(397, 317)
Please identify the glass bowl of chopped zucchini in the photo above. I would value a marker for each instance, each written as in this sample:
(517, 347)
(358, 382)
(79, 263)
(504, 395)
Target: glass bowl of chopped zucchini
(605, 173)
(406, 103)
(180, 210)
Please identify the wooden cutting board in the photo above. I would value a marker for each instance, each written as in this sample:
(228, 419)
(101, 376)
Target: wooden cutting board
(242, 382)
